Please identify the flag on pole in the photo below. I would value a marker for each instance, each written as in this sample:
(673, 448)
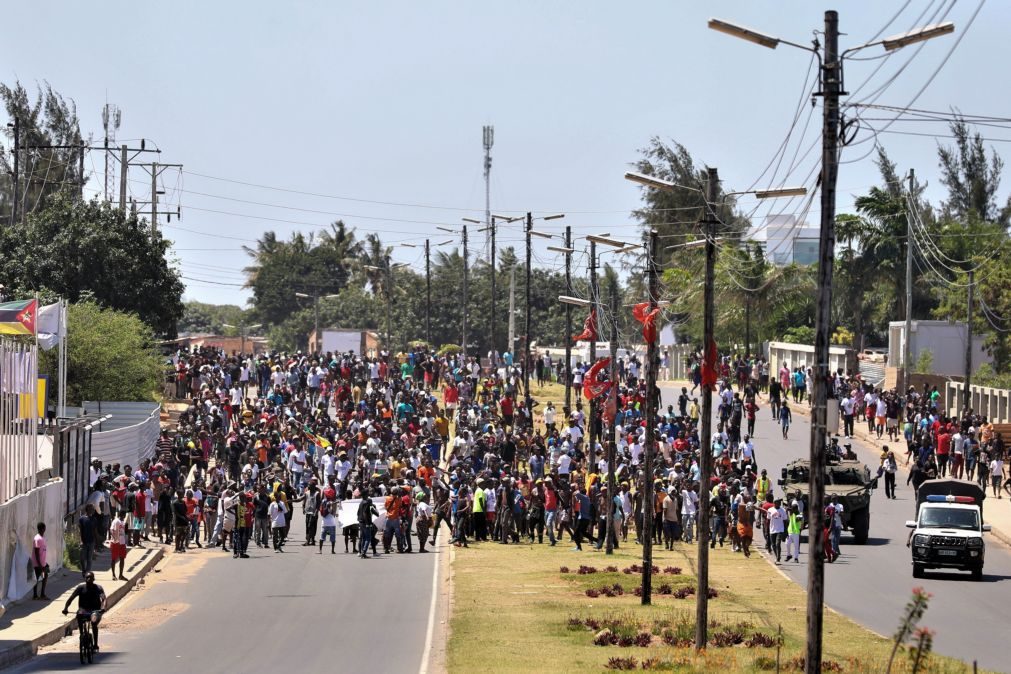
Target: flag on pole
(18, 318)
(592, 387)
(709, 374)
(648, 319)
(589, 332)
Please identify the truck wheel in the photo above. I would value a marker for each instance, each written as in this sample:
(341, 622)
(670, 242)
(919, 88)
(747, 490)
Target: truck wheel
(917, 570)
(977, 574)
(861, 522)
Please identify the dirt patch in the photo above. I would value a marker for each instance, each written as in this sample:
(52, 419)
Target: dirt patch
(138, 621)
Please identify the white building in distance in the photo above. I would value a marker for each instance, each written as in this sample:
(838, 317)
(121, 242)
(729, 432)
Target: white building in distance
(785, 240)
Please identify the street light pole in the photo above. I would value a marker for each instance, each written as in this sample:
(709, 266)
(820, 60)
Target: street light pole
(594, 298)
(466, 301)
(906, 347)
(831, 86)
(613, 433)
(568, 320)
(705, 444)
(428, 294)
(650, 449)
(528, 403)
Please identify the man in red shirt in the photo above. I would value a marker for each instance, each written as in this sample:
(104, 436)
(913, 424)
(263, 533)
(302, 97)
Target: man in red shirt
(943, 450)
(507, 412)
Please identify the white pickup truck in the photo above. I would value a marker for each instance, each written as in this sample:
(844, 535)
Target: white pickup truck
(948, 529)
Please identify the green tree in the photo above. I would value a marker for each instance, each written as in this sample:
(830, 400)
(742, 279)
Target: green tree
(202, 318)
(77, 249)
(45, 120)
(307, 263)
(972, 178)
(111, 355)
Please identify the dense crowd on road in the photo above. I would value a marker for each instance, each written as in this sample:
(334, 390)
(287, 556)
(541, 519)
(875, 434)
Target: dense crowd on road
(385, 451)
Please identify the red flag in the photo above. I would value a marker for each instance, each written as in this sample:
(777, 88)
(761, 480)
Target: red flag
(589, 332)
(611, 407)
(709, 375)
(592, 386)
(648, 319)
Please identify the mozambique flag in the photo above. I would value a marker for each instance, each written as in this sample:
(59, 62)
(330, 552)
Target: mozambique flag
(18, 318)
(317, 440)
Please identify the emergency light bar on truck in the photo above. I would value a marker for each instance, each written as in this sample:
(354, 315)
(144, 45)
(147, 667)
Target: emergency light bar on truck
(949, 498)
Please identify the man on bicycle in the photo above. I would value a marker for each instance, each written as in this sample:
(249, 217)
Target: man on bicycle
(90, 604)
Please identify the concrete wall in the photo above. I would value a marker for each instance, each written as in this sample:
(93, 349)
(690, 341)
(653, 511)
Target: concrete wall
(802, 355)
(944, 340)
(18, 518)
(993, 403)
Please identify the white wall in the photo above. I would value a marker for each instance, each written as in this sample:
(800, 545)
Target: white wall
(18, 518)
(127, 446)
(944, 340)
(341, 341)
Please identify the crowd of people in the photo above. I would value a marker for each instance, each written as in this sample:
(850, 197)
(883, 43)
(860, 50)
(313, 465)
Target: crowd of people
(383, 451)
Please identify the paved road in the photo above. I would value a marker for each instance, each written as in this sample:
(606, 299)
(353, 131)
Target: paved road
(871, 583)
(273, 611)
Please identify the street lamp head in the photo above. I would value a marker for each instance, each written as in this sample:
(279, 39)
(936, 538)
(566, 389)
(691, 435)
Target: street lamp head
(614, 243)
(409, 245)
(443, 243)
(472, 220)
(503, 217)
(577, 301)
(781, 192)
(744, 33)
(918, 35)
(255, 326)
(560, 249)
(302, 295)
(556, 216)
(543, 235)
(446, 229)
(330, 296)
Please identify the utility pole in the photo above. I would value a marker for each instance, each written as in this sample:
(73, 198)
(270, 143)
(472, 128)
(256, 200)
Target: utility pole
(17, 176)
(594, 298)
(967, 393)
(612, 435)
(705, 444)
(389, 312)
(906, 347)
(428, 294)
(124, 162)
(526, 342)
(831, 84)
(650, 449)
(512, 310)
(492, 318)
(568, 320)
(154, 196)
(80, 167)
(466, 301)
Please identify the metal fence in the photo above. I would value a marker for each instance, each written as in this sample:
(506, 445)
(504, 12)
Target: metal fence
(19, 423)
(72, 451)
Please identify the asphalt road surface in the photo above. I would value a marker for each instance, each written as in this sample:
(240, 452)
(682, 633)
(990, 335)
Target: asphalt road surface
(872, 583)
(274, 612)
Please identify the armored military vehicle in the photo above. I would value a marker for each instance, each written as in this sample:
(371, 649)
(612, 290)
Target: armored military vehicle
(846, 478)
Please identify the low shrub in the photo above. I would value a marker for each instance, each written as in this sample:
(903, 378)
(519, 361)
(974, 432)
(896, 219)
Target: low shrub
(592, 593)
(762, 640)
(563, 569)
(726, 637)
(672, 570)
(586, 570)
(621, 663)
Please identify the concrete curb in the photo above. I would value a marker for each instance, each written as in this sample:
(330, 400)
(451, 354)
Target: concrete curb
(140, 568)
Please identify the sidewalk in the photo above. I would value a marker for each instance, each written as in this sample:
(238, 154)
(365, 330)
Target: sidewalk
(996, 512)
(30, 625)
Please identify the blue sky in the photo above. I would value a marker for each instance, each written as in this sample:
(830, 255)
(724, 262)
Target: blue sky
(384, 102)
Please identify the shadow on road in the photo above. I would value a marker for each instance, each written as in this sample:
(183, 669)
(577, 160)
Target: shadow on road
(66, 661)
(965, 577)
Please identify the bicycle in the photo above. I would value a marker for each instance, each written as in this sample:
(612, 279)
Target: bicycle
(87, 640)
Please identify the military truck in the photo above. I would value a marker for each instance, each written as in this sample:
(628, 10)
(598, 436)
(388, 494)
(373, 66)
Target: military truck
(846, 478)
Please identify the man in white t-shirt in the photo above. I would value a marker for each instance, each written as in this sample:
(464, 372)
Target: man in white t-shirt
(276, 513)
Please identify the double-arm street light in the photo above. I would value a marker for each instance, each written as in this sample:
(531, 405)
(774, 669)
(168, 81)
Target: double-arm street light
(389, 267)
(315, 305)
(712, 203)
(428, 284)
(493, 228)
(244, 331)
(831, 90)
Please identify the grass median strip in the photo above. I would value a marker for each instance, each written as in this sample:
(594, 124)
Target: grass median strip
(537, 608)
